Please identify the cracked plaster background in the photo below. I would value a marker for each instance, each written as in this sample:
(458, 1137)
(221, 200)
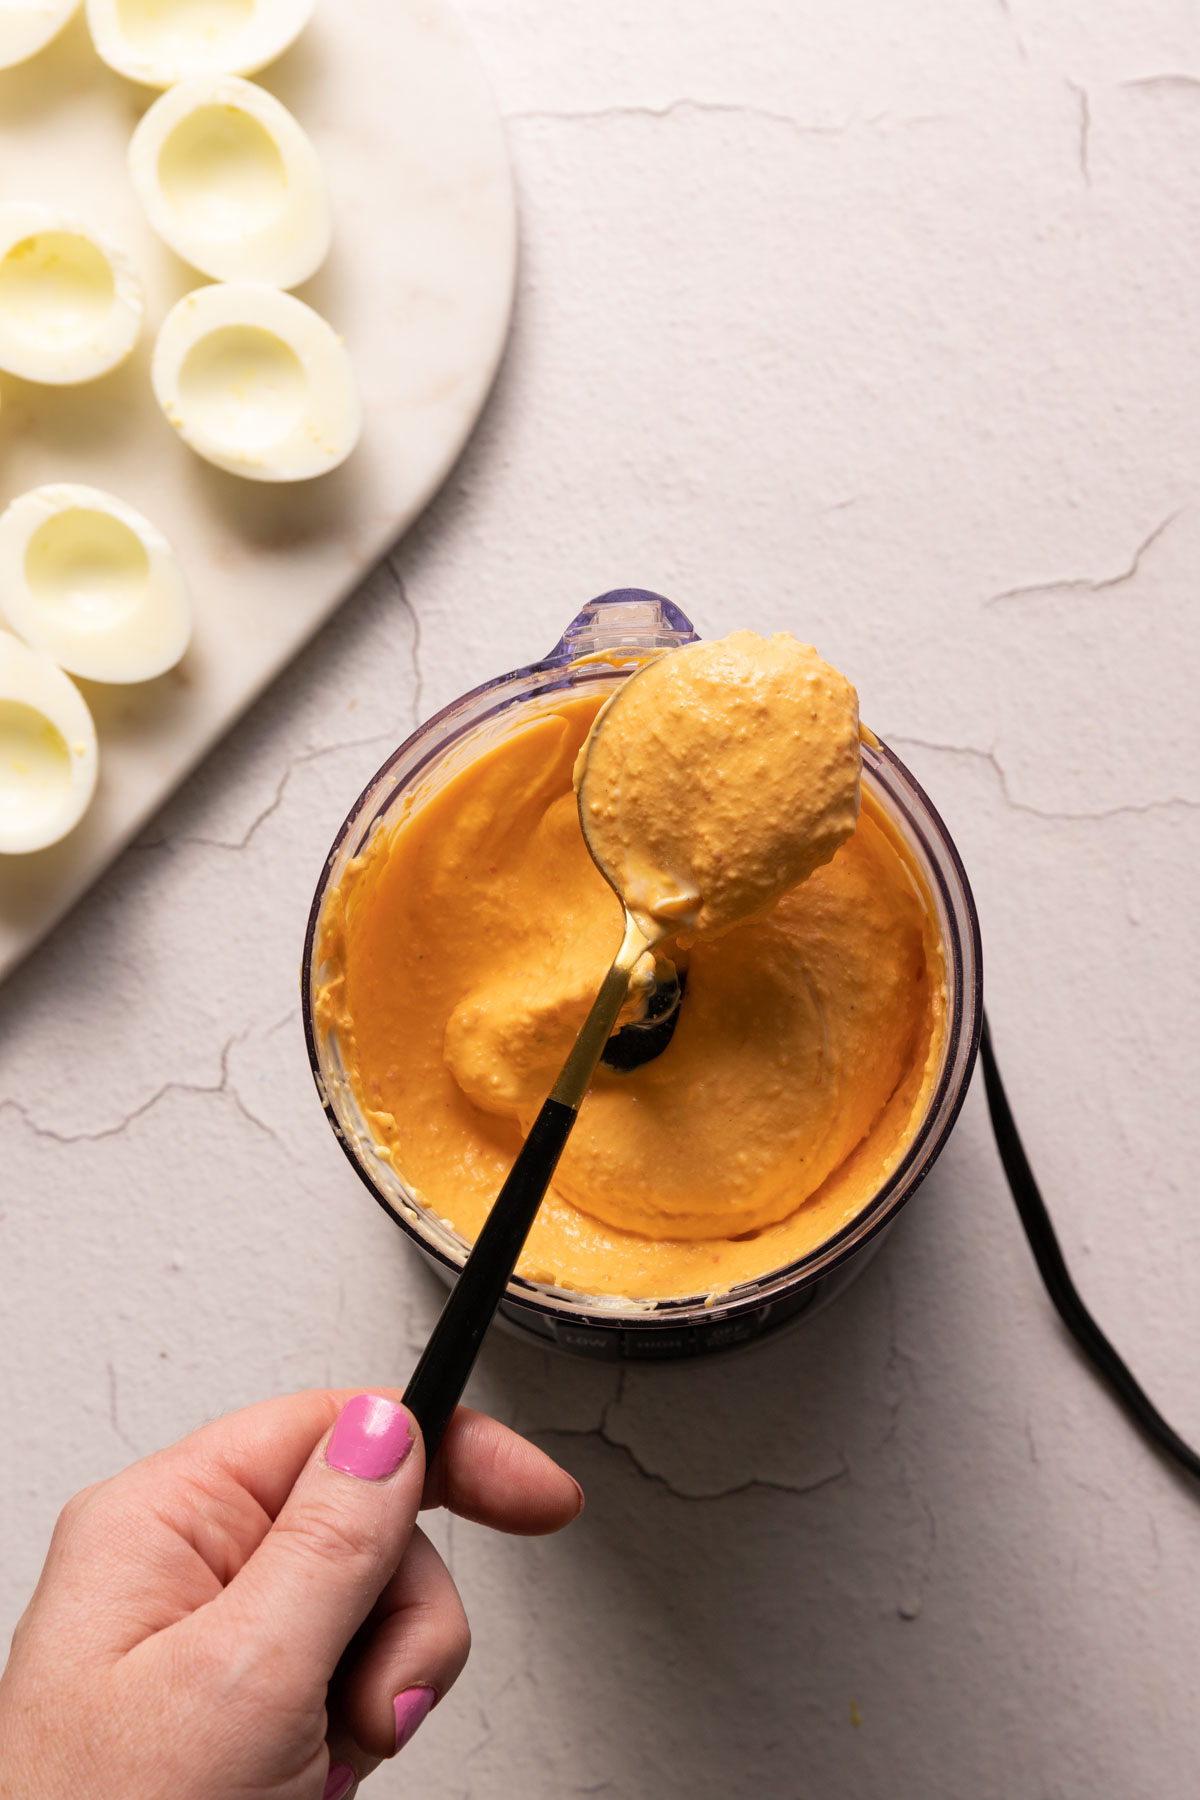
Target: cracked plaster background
(877, 323)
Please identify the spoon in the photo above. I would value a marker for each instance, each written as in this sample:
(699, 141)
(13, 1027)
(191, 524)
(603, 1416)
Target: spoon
(718, 776)
(438, 1380)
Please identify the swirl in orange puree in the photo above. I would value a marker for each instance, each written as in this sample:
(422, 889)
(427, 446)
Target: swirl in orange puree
(464, 946)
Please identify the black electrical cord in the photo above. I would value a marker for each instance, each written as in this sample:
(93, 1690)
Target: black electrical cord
(1054, 1272)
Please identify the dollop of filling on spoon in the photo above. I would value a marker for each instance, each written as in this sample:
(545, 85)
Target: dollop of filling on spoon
(718, 778)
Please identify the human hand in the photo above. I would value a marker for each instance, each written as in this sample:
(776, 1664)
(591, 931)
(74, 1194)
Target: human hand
(252, 1613)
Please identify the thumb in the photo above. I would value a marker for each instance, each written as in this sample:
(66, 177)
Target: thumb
(336, 1542)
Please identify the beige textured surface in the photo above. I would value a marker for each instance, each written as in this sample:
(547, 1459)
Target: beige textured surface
(845, 325)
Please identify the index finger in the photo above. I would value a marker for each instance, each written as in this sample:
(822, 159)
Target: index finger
(485, 1472)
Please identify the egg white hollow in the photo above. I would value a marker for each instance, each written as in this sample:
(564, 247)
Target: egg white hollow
(92, 583)
(159, 42)
(26, 26)
(70, 299)
(48, 753)
(256, 382)
(232, 183)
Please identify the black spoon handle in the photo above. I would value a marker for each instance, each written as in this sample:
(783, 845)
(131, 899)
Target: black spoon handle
(448, 1358)
(441, 1374)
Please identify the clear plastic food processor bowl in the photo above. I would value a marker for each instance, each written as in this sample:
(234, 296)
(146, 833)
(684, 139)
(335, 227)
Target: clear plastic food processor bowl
(594, 1325)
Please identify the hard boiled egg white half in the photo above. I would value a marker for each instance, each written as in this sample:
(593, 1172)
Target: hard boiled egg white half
(26, 25)
(231, 182)
(48, 755)
(163, 41)
(256, 382)
(93, 584)
(70, 299)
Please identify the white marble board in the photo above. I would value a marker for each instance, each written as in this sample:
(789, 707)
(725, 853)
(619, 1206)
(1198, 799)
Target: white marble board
(419, 281)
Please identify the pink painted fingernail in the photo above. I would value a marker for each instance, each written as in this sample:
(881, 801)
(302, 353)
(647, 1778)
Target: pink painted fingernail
(371, 1439)
(338, 1782)
(412, 1708)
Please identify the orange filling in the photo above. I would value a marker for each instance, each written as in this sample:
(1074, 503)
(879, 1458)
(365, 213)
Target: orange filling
(462, 949)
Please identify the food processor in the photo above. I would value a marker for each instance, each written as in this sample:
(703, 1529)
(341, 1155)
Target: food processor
(597, 651)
